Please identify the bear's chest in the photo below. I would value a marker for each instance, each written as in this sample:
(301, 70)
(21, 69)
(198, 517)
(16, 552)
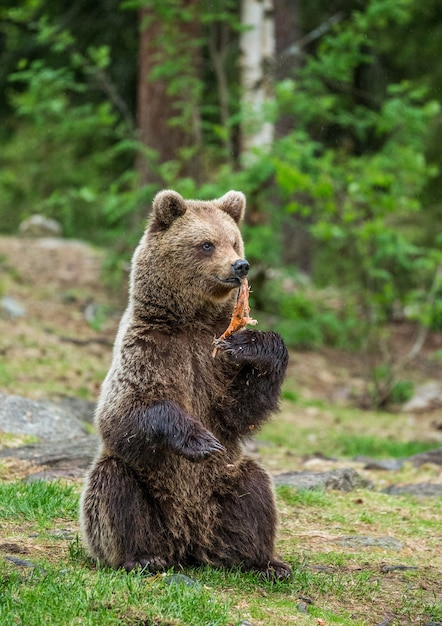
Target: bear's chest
(181, 367)
(200, 373)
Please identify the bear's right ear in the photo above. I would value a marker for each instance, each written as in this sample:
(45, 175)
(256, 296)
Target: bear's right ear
(166, 207)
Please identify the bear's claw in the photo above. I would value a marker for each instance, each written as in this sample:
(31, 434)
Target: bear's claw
(199, 447)
(148, 564)
(276, 570)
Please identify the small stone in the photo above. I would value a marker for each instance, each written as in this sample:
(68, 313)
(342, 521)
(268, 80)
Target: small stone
(362, 541)
(40, 226)
(343, 479)
(180, 579)
(20, 562)
(427, 397)
(422, 490)
(391, 465)
(385, 569)
(431, 456)
(11, 309)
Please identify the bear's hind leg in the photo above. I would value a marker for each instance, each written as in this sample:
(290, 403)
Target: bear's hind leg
(245, 532)
(120, 526)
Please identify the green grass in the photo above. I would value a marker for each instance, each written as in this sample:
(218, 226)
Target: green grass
(339, 584)
(345, 433)
(39, 502)
(54, 596)
(6, 377)
(350, 445)
(307, 497)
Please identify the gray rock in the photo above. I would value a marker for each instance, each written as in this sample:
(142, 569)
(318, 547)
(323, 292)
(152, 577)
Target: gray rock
(343, 479)
(11, 309)
(40, 226)
(385, 569)
(81, 409)
(392, 465)
(363, 541)
(68, 459)
(423, 490)
(43, 419)
(385, 622)
(432, 456)
(426, 397)
(20, 562)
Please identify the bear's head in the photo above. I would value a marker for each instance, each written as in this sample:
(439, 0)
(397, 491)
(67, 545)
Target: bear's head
(191, 257)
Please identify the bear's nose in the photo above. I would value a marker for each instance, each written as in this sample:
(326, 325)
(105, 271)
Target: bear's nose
(240, 268)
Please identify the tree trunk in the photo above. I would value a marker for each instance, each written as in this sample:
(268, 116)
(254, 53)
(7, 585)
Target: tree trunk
(162, 124)
(257, 56)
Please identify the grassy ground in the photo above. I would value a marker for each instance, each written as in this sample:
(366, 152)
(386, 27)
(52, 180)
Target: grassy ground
(49, 581)
(361, 558)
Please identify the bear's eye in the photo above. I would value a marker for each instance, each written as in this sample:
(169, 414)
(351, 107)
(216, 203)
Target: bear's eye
(208, 246)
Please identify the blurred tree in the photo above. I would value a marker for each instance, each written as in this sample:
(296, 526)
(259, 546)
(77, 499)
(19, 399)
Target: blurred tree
(169, 87)
(102, 23)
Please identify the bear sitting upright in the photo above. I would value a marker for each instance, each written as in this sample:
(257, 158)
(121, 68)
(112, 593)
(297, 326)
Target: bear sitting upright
(170, 484)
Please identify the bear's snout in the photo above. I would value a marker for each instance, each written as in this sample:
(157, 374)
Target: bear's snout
(240, 268)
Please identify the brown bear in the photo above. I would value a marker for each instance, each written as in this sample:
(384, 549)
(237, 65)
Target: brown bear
(170, 485)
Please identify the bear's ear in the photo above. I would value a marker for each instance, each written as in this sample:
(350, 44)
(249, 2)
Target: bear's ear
(233, 203)
(167, 206)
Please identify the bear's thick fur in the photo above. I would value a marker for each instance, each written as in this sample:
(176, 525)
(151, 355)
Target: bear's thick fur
(170, 485)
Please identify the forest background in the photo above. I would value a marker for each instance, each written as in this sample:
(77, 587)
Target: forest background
(334, 140)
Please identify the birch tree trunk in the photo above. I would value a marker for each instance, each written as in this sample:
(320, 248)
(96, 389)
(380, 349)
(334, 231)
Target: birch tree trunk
(257, 54)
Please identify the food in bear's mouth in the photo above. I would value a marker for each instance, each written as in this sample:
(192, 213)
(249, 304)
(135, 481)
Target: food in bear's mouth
(240, 316)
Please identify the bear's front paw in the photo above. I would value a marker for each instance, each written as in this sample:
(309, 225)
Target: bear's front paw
(262, 350)
(199, 445)
(241, 346)
(275, 570)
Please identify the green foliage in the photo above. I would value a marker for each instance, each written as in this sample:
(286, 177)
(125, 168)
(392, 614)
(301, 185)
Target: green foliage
(306, 317)
(352, 172)
(401, 391)
(387, 387)
(355, 204)
(69, 154)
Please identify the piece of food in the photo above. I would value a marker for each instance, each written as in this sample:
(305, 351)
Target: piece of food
(240, 317)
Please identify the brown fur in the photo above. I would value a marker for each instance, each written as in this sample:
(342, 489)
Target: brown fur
(170, 484)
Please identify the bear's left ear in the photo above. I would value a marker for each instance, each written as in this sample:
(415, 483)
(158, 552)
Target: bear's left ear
(167, 206)
(233, 203)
